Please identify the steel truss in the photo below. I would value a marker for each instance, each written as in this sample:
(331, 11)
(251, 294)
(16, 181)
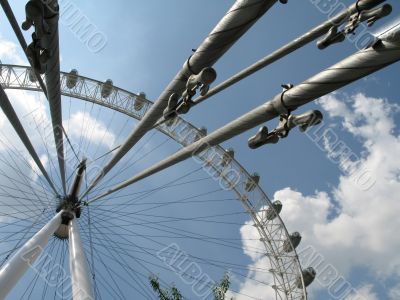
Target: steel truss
(285, 267)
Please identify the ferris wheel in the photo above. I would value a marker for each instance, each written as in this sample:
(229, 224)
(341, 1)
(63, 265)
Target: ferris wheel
(285, 269)
(76, 220)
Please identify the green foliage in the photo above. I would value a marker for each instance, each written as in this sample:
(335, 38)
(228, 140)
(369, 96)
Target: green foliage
(176, 295)
(219, 290)
(164, 294)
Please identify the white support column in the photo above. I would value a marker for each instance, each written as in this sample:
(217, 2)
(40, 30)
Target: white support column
(79, 269)
(16, 267)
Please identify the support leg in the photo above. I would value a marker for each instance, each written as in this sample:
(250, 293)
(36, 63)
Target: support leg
(80, 275)
(16, 267)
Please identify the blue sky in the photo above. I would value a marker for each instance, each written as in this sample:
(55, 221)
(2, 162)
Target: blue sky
(147, 42)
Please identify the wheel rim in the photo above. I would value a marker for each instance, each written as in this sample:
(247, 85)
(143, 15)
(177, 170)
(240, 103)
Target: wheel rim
(285, 267)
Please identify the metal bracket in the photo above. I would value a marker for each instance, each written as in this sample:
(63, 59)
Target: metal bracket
(370, 16)
(286, 123)
(200, 81)
(279, 104)
(38, 51)
(195, 82)
(35, 17)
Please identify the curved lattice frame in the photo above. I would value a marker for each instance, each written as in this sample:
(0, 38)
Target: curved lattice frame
(285, 267)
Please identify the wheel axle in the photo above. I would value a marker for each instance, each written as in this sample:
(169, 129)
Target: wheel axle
(70, 204)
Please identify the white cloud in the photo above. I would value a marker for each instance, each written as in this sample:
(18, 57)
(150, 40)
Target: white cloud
(363, 293)
(28, 105)
(94, 130)
(33, 115)
(35, 172)
(9, 52)
(394, 292)
(361, 229)
(255, 284)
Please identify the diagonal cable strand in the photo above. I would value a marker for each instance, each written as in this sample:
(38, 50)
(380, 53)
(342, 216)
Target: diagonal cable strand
(55, 105)
(14, 24)
(294, 45)
(52, 71)
(240, 18)
(362, 63)
(9, 111)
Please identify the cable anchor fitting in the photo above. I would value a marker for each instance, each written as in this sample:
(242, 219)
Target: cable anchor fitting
(38, 50)
(370, 16)
(286, 123)
(181, 105)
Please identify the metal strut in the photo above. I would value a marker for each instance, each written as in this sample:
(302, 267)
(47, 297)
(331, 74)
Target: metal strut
(71, 201)
(69, 229)
(79, 269)
(330, 28)
(362, 14)
(14, 24)
(43, 54)
(241, 17)
(9, 111)
(24, 258)
(82, 287)
(356, 66)
(297, 43)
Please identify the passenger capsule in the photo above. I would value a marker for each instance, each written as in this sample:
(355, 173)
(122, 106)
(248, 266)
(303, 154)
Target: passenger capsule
(201, 133)
(274, 210)
(72, 78)
(171, 121)
(294, 239)
(252, 182)
(140, 100)
(107, 88)
(228, 156)
(308, 277)
(32, 76)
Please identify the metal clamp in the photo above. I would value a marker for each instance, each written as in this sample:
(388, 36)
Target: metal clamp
(38, 51)
(200, 81)
(279, 103)
(370, 16)
(188, 64)
(286, 123)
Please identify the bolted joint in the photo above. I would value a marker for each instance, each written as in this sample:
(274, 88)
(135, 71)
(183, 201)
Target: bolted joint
(370, 16)
(62, 231)
(34, 11)
(66, 217)
(73, 195)
(68, 205)
(286, 123)
(200, 81)
(170, 111)
(34, 53)
(332, 37)
(184, 107)
(262, 137)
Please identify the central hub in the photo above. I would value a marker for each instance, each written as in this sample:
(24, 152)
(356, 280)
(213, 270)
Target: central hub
(70, 204)
(62, 231)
